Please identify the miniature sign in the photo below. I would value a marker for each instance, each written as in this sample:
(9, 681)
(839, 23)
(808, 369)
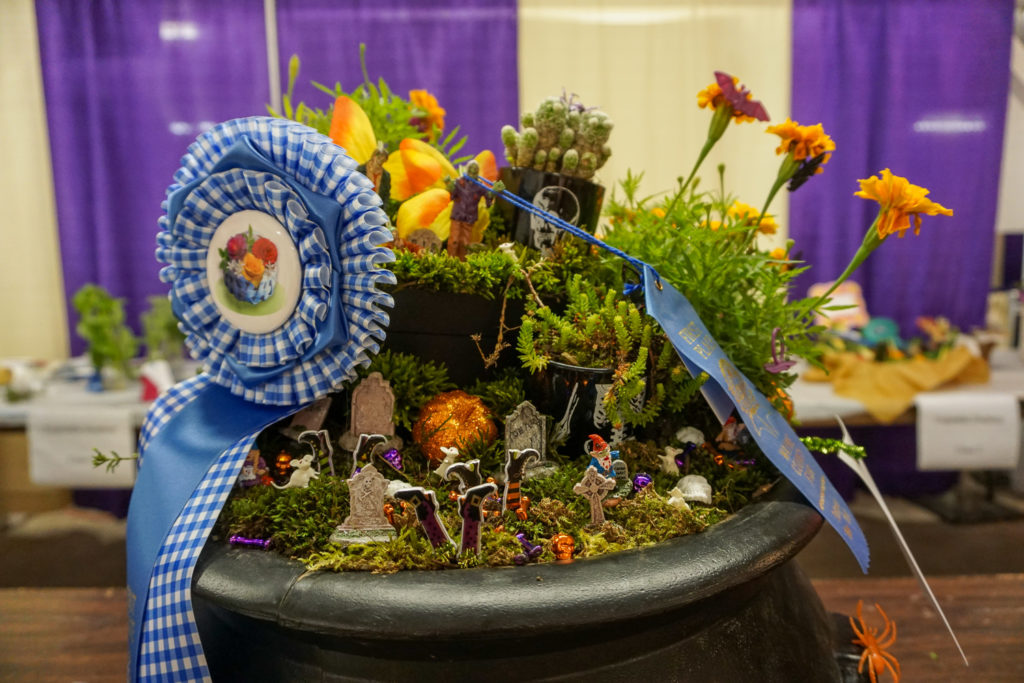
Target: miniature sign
(373, 410)
(366, 522)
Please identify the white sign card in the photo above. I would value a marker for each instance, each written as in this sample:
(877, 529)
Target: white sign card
(959, 430)
(61, 443)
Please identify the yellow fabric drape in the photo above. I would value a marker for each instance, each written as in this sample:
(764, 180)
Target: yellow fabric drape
(644, 64)
(33, 320)
(888, 389)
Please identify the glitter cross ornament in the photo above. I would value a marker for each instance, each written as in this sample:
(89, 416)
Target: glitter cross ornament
(594, 487)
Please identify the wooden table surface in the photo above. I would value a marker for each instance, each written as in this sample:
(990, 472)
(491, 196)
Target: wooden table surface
(80, 634)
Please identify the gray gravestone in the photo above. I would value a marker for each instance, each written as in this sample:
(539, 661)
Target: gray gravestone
(526, 428)
(425, 239)
(373, 412)
(366, 522)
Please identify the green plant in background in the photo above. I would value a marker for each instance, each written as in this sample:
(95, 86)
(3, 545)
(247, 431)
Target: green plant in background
(101, 324)
(160, 330)
(705, 247)
(560, 136)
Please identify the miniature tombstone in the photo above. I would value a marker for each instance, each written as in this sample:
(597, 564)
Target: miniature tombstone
(424, 503)
(594, 487)
(425, 239)
(366, 522)
(515, 466)
(623, 484)
(373, 410)
(470, 504)
(526, 429)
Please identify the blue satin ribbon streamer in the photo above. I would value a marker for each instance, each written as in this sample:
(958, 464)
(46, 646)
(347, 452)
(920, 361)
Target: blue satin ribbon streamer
(174, 462)
(727, 386)
(770, 430)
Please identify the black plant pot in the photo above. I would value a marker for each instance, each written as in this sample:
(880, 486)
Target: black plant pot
(724, 605)
(560, 387)
(575, 200)
(438, 326)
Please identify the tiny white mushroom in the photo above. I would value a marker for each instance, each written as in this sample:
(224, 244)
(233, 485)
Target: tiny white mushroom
(690, 435)
(695, 489)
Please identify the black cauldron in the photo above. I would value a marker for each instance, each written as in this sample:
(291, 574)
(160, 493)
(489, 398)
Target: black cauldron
(724, 605)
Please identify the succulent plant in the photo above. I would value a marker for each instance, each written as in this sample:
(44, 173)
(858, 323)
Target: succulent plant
(560, 136)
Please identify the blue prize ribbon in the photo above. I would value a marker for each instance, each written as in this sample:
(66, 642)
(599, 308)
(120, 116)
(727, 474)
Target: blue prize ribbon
(727, 387)
(197, 435)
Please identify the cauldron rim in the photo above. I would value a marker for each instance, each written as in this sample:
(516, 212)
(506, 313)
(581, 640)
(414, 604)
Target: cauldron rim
(454, 604)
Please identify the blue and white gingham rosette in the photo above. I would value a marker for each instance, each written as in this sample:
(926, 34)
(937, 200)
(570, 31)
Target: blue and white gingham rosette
(197, 435)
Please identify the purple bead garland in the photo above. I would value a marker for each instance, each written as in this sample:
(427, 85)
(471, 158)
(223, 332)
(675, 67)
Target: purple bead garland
(251, 542)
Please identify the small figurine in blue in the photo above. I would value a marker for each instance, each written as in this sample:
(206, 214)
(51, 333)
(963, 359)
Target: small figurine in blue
(601, 454)
(254, 469)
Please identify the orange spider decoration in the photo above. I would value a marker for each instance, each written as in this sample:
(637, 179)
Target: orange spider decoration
(874, 645)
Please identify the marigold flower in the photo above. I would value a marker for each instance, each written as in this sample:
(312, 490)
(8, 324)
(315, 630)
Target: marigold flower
(746, 215)
(727, 91)
(803, 142)
(899, 199)
(434, 113)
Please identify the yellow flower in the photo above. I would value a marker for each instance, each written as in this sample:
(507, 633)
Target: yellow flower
(777, 254)
(252, 269)
(433, 120)
(745, 214)
(714, 225)
(727, 91)
(899, 199)
(658, 211)
(803, 142)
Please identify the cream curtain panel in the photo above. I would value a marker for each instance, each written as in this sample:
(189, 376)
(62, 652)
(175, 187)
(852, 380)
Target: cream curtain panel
(32, 315)
(643, 63)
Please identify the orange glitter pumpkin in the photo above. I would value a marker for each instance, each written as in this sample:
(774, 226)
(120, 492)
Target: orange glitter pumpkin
(453, 418)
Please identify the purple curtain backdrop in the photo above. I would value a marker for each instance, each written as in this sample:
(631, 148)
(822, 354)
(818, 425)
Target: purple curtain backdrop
(128, 86)
(920, 87)
(464, 52)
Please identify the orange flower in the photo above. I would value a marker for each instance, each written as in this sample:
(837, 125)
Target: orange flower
(415, 167)
(726, 91)
(898, 199)
(431, 208)
(432, 120)
(802, 142)
(351, 129)
(252, 269)
(746, 215)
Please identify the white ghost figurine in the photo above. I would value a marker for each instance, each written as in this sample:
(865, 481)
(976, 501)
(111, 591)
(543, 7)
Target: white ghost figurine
(668, 461)
(450, 455)
(695, 489)
(676, 500)
(690, 435)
